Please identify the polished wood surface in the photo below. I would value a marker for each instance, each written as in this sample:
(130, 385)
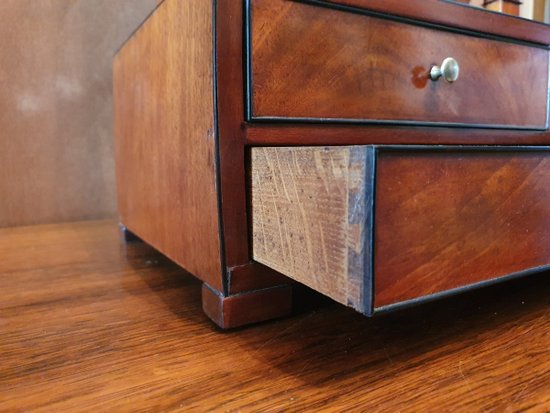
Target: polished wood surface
(166, 137)
(181, 152)
(217, 183)
(445, 13)
(309, 217)
(445, 219)
(56, 151)
(311, 62)
(87, 326)
(250, 307)
(230, 106)
(275, 134)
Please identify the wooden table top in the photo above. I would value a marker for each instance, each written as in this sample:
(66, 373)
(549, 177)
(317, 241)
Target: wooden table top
(87, 325)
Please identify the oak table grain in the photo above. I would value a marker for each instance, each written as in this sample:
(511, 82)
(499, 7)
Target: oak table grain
(88, 325)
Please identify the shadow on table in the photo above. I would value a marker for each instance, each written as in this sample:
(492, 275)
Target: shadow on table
(328, 342)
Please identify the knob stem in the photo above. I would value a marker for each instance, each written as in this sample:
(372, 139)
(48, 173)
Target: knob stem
(449, 70)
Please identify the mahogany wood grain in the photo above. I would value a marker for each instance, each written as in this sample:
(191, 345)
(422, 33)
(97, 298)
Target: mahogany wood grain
(166, 136)
(230, 106)
(311, 62)
(310, 218)
(247, 308)
(272, 134)
(214, 237)
(446, 219)
(88, 327)
(446, 13)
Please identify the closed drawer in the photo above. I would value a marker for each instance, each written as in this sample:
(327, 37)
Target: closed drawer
(375, 227)
(313, 63)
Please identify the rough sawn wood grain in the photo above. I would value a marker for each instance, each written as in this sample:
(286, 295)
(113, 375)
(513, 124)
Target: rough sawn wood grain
(309, 217)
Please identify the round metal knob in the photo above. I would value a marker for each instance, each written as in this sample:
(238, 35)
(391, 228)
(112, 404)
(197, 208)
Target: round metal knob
(449, 70)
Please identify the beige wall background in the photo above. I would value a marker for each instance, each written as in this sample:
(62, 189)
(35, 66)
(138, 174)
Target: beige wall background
(56, 144)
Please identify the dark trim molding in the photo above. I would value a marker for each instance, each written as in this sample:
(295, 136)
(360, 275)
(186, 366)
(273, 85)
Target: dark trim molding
(281, 119)
(370, 196)
(217, 163)
(459, 290)
(247, 22)
(496, 280)
(462, 148)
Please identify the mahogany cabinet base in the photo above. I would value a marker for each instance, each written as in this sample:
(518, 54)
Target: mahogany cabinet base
(247, 307)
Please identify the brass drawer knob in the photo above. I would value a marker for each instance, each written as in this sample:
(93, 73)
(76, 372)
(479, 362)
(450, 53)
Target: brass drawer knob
(449, 70)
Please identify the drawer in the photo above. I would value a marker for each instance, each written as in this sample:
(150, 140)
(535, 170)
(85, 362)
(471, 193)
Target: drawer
(316, 63)
(375, 227)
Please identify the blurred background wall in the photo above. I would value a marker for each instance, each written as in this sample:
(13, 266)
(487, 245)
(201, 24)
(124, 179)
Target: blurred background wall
(56, 144)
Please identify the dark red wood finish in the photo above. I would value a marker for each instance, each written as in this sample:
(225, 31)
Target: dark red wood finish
(447, 219)
(272, 134)
(241, 273)
(230, 106)
(238, 275)
(165, 142)
(451, 14)
(317, 63)
(247, 308)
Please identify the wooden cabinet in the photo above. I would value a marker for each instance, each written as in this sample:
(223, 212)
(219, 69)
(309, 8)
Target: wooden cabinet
(385, 187)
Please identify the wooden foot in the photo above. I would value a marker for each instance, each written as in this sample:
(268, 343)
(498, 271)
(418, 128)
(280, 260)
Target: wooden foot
(246, 307)
(128, 236)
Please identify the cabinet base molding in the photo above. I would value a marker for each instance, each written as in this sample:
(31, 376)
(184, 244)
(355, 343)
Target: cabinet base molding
(248, 307)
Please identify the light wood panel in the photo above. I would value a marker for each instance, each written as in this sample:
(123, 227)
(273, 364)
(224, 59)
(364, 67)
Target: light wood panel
(166, 136)
(56, 145)
(86, 327)
(311, 216)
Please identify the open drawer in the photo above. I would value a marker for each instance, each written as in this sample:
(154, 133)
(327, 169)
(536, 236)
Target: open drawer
(376, 227)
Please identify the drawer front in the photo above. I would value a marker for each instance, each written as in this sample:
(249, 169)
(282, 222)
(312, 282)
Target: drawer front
(312, 63)
(446, 219)
(374, 227)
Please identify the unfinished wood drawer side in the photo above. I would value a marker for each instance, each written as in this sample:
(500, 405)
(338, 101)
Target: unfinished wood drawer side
(310, 221)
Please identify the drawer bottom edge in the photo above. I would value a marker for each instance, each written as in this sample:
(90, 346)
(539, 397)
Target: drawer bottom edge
(455, 291)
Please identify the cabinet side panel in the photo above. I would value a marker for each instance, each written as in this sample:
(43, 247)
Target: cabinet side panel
(165, 136)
